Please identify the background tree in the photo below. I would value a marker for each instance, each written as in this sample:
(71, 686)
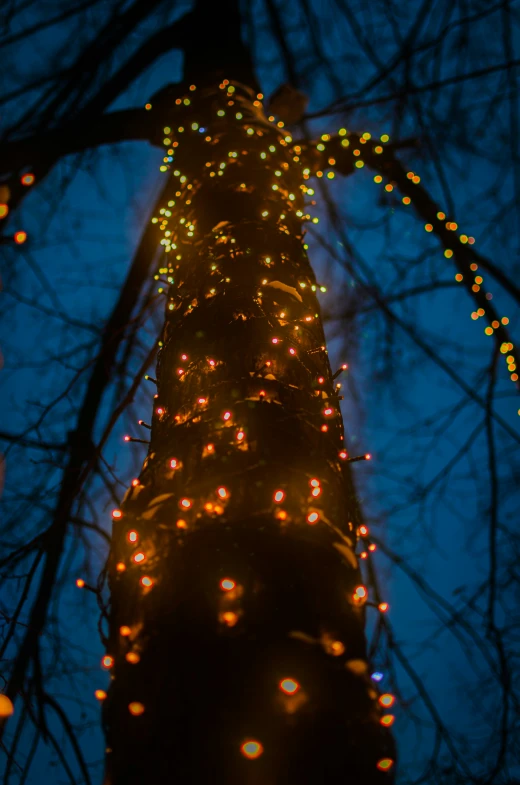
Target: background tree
(434, 389)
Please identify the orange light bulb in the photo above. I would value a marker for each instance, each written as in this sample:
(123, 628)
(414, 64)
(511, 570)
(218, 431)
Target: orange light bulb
(251, 749)
(360, 594)
(289, 686)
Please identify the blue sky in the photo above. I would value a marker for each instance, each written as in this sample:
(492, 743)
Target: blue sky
(83, 224)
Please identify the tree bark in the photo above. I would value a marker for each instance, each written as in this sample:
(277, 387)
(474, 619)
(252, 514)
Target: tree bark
(236, 625)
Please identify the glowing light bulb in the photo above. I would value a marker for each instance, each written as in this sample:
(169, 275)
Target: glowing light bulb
(343, 455)
(229, 617)
(132, 536)
(360, 594)
(289, 686)
(328, 411)
(226, 416)
(337, 648)
(135, 708)
(107, 661)
(387, 720)
(279, 496)
(132, 657)
(80, 583)
(383, 607)
(159, 411)
(223, 492)
(363, 531)
(181, 524)
(120, 567)
(386, 700)
(20, 237)
(227, 584)
(135, 482)
(100, 695)
(240, 436)
(274, 340)
(251, 749)
(174, 463)
(139, 557)
(146, 581)
(385, 764)
(125, 630)
(186, 503)
(117, 514)
(313, 517)
(368, 457)
(27, 179)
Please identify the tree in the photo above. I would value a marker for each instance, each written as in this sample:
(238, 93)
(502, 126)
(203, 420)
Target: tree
(201, 458)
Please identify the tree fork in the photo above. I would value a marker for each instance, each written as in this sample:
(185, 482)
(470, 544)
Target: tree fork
(236, 636)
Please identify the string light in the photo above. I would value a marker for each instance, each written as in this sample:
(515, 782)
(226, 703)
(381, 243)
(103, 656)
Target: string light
(251, 749)
(289, 686)
(360, 595)
(6, 706)
(291, 347)
(435, 222)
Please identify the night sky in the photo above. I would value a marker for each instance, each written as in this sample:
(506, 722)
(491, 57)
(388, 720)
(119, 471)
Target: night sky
(439, 454)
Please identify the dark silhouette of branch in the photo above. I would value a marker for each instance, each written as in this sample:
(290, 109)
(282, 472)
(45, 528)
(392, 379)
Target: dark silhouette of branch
(81, 453)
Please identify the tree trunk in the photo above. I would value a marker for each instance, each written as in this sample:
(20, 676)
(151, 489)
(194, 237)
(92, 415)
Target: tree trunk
(236, 627)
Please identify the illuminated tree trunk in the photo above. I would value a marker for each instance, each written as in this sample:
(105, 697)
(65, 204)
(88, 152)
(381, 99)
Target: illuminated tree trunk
(236, 623)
